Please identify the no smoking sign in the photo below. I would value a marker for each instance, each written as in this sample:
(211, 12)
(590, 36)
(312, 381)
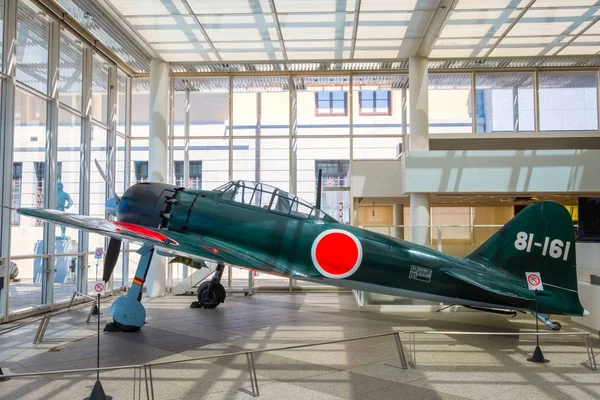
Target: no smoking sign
(534, 281)
(99, 287)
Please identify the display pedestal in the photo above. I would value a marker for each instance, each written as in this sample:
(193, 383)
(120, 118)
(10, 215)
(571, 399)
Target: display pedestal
(538, 356)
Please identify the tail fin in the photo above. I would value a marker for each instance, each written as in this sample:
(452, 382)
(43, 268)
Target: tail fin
(541, 238)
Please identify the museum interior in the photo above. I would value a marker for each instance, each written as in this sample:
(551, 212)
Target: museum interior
(299, 199)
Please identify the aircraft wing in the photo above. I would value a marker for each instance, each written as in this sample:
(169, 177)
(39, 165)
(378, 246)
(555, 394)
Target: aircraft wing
(189, 245)
(496, 283)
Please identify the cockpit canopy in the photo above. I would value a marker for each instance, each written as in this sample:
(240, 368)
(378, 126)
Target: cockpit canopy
(270, 198)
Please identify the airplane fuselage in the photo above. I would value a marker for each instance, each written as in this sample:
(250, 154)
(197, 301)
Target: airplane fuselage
(388, 265)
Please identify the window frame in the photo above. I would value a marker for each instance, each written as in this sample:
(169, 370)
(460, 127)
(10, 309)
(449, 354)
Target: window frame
(389, 103)
(331, 109)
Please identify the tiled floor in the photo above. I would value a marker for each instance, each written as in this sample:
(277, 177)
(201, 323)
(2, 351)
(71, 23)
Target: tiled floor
(449, 367)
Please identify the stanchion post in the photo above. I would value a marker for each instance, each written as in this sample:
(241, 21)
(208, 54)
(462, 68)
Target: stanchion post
(253, 379)
(403, 364)
(72, 299)
(590, 352)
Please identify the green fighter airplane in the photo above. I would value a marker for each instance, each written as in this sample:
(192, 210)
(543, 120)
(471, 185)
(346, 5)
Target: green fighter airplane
(259, 227)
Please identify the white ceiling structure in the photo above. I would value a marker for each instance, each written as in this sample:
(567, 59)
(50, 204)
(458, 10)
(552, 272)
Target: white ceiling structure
(275, 31)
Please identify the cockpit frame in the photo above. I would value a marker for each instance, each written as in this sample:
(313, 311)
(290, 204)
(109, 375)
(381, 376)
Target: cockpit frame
(270, 198)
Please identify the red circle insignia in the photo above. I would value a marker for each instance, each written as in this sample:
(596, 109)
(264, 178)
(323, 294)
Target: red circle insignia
(336, 253)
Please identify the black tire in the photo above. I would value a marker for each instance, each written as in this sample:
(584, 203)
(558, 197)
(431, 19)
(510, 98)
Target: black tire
(556, 326)
(222, 292)
(206, 299)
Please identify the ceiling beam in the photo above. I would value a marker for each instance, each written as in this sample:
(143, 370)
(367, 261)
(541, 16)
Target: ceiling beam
(127, 27)
(512, 25)
(436, 24)
(578, 35)
(202, 30)
(355, 27)
(278, 26)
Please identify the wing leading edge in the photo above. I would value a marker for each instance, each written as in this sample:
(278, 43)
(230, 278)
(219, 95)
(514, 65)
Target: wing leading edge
(175, 243)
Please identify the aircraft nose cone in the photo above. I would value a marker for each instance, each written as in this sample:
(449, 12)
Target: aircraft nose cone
(111, 206)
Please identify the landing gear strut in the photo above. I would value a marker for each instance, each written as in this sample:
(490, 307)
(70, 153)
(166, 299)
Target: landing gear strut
(545, 318)
(128, 312)
(211, 293)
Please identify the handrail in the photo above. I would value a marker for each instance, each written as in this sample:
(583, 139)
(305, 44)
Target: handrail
(243, 352)
(586, 339)
(584, 333)
(298, 346)
(237, 353)
(71, 371)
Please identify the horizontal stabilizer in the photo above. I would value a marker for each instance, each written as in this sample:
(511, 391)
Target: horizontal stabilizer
(495, 284)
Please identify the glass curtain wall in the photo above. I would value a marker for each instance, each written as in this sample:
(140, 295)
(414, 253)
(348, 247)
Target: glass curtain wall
(504, 102)
(568, 101)
(46, 144)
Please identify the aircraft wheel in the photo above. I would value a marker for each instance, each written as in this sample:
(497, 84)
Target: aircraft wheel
(209, 299)
(556, 326)
(222, 292)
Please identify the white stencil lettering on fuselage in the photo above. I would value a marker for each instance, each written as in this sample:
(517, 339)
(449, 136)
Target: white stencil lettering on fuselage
(420, 274)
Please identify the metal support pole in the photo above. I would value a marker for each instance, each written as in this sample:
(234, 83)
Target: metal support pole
(91, 312)
(85, 159)
(473, 103)
(186, 147)
(403, 364)
(253, 379)
(590, 351)
(51, 152)
(151, 381)
(536, 101)
(413, 349)
(147, 387)
(230, 128)
(293, 110)
(404, 121)
(7, 116)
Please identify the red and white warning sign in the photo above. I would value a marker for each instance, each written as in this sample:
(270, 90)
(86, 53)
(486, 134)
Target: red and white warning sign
(336, 253)
(534, 281)
(99, 287)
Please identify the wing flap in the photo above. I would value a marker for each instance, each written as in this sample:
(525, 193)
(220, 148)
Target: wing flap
(496, 283)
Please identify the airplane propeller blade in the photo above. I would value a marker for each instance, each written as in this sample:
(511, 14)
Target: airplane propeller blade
(111, 257)
(110, 184)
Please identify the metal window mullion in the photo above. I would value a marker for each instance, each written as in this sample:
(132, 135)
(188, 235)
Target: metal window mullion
(111, 145)
(351, 117)
(536, 101)
(230, 127)
(474, 102)
(293, 132)
(128, 108)
(7, 116)
(186, 145)
(351, 139)
(85, 159)
(404, 120)
(51, 154)
(171, 134)
(598, 99)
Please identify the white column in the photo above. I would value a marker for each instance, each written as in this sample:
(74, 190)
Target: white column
(156, 280)
(398, 211)
(418, 82)
(419, 218)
